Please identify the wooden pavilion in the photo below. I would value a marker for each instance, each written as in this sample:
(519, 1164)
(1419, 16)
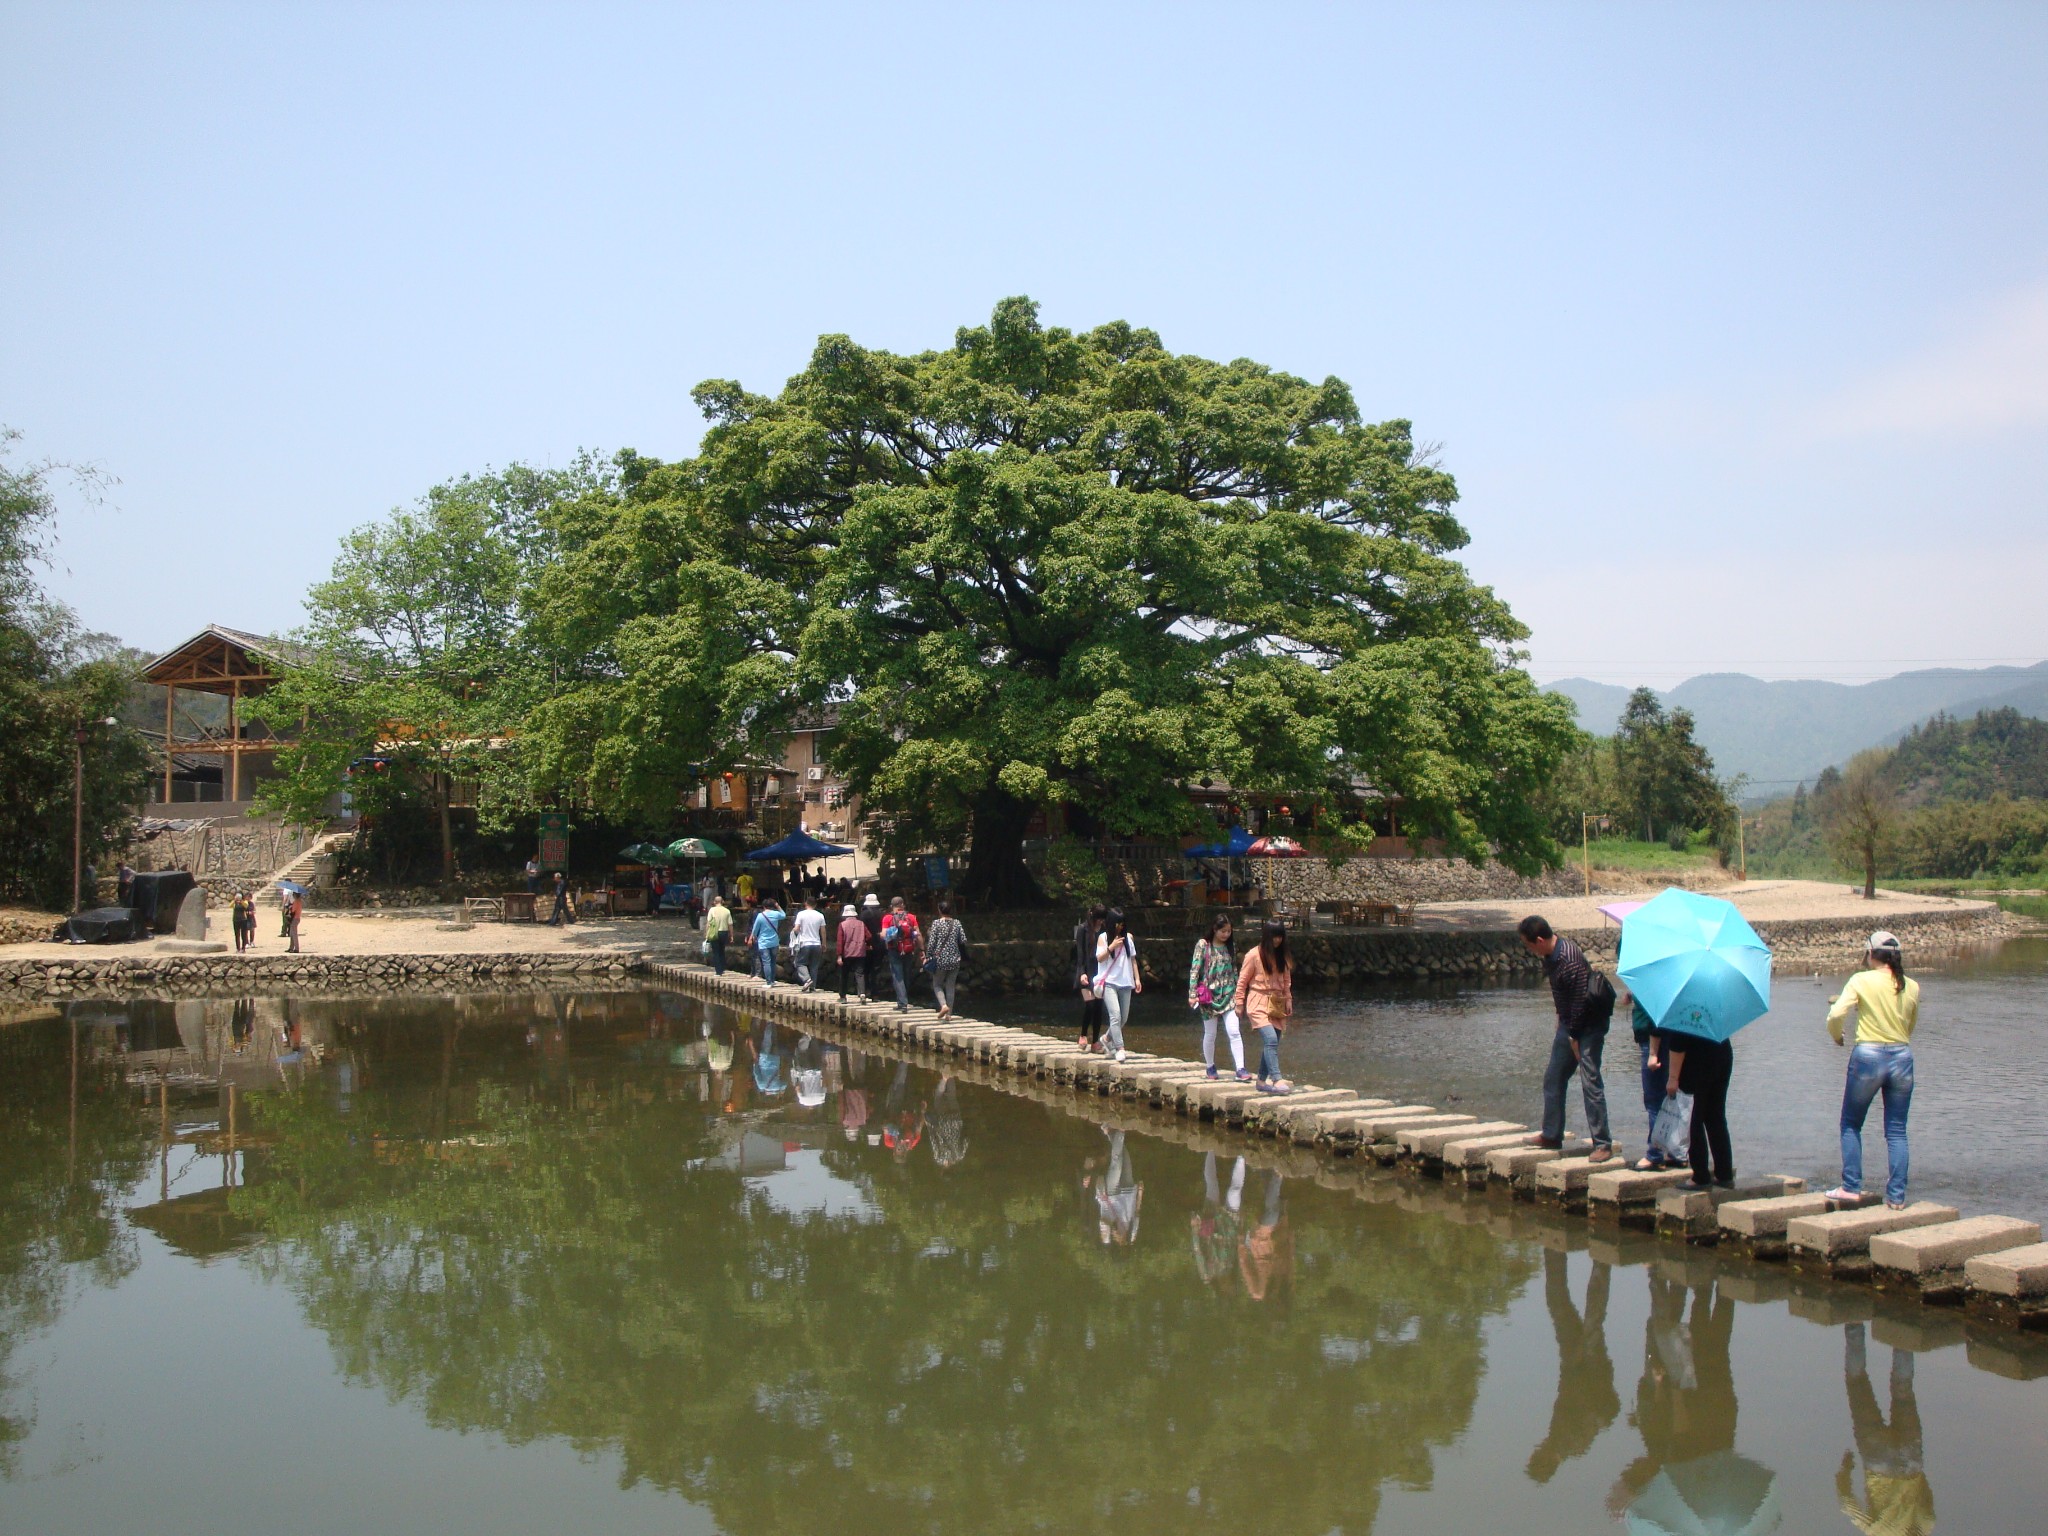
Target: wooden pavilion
(230, 664)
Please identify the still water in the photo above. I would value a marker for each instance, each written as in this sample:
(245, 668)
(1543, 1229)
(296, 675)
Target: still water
(620, 1263)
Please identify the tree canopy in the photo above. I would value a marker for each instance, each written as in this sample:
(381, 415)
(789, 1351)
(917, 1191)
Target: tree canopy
(1045, 568)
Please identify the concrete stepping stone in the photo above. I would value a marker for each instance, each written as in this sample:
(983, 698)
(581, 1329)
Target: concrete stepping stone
(1565, 1179)
(1518, 1164)
(1629, 1194)
(1263, 1114)
(1428, 1141)
(1222, 1100)
(2010, 1286)
(1354, 1123)
(1304, 1127)
(1694, 1214)
(1929, 1260)
(1838, 1242)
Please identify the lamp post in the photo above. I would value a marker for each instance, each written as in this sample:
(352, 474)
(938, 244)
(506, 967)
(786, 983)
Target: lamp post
(78, 812)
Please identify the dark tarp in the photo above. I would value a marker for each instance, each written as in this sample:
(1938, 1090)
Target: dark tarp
(155, 898)
(102, 925)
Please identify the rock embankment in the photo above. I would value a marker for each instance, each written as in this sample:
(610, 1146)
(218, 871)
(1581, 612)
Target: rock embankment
(214, 975)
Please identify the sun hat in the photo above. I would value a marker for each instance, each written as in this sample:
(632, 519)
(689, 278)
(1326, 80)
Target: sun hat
(871, 900)
(847, 911)
(1885, 940)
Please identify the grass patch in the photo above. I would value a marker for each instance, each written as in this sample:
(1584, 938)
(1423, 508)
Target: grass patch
(2035, 907)
(1643, 858)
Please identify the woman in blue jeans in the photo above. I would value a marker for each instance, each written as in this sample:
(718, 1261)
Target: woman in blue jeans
(1886, 1003)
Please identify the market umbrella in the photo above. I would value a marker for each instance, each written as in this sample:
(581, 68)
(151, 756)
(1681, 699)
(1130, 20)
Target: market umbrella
(1695, 964)
(1235, 844)
(1270, 848)
(694, 848)
(644, 853)
(797, 848)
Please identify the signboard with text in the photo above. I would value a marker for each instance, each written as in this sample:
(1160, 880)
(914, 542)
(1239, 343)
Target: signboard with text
(554, 841)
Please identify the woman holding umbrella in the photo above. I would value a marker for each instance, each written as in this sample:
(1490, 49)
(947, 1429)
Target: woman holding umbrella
(1700, 972)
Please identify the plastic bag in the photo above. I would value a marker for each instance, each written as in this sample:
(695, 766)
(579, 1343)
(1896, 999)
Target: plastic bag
(1672, 1134)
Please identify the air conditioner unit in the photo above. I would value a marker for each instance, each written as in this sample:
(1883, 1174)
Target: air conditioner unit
(815, 773)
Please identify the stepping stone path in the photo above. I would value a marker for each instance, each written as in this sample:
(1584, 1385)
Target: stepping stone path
(1997, 1265)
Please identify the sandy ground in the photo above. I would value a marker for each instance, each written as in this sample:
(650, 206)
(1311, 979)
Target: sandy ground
(1758, 900)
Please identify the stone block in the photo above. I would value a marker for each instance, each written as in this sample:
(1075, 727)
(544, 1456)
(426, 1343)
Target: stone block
(1694, 1214)
(1630, 1186)
(1430, 1141)
(1770, 1215)
(1839, 1241)
(1468, 1149)
(1355, 1121)
(2020, 1273)
(1518, 1164)
(1929, 1256)
(1565, 1179)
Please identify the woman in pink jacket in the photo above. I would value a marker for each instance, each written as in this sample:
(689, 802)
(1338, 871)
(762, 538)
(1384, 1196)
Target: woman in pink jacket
(1265, 1000)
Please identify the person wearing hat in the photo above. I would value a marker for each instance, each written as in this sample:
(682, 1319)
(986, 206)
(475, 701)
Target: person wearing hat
(1886, 1003)
(851, 951)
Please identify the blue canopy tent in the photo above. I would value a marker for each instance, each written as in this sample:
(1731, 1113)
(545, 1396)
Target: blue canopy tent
(797, 848)
(1235, 845)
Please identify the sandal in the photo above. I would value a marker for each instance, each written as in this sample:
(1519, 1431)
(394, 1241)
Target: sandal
(1651, 1165)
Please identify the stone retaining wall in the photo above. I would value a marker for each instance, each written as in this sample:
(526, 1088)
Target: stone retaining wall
(1835, 942)
(212, 975)
(1408, 881)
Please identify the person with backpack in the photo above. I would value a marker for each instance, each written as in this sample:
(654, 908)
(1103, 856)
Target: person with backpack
(766, 939)
(1212, 982)
(904, 943)
(1584, 1011)
(1886, 1005)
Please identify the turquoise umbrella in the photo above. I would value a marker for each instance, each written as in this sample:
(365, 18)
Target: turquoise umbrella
(1695, 964)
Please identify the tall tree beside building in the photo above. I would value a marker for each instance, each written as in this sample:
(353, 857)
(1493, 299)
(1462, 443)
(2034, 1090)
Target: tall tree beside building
(1043, 568)
(54, 680)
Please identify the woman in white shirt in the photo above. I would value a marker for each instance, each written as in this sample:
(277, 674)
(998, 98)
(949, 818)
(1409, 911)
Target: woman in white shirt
(1116, 977)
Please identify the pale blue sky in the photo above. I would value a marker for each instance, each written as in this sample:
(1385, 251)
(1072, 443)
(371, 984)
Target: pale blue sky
(1732, 321)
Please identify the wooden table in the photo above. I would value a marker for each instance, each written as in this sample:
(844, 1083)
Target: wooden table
(518, 907)
(490, 907)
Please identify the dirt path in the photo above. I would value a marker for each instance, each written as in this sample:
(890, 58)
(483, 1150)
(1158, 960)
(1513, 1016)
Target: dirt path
(1757, 900)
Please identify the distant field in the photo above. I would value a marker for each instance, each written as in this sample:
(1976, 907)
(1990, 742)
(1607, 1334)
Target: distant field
(1643, 858)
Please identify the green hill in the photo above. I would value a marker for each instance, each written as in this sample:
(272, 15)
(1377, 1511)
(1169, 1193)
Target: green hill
(1997, 753)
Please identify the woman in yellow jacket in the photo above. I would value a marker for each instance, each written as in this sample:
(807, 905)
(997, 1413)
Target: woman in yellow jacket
(1265, 1000)
(1886, 1004)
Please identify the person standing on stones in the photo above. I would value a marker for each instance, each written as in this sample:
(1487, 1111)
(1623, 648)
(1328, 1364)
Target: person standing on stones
(877, 957)
(1886, 1003)
(852, 952)
(294, 910)
(766, 938)
(1085, 932)
(905, 945)
(807, 944)
(1576, 1047)
(1265, 999)
(1702, 1068)
(718, 933)
(1116, 977)
(945, 948)
(1212, 982)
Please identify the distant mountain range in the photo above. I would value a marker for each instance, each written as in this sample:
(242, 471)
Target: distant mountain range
(1782, 732)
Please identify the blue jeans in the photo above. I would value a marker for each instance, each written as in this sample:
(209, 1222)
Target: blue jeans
(1269, 1054)
(1873, 1068)
(1592, 1087)
(808, 961)
(1653, 1092)
(899, 979)
(764, 963)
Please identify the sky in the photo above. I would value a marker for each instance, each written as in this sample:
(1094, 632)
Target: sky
(1730, 320)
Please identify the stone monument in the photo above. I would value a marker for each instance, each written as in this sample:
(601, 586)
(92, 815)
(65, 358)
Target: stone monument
(191, 937)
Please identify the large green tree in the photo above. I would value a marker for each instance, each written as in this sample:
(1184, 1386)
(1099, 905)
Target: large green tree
(57, 685)
(417, 667)
(1042, 568)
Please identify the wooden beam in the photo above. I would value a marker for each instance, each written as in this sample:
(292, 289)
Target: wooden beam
(170, 706)
(235, 735)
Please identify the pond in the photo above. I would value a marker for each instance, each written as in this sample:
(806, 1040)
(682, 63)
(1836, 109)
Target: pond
(622, 1262)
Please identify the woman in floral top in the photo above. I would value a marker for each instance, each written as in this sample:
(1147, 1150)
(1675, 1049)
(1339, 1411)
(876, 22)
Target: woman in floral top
(944, 948)
(1212, 978)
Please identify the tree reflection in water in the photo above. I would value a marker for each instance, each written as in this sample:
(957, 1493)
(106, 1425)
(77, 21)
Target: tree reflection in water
(504, 1231)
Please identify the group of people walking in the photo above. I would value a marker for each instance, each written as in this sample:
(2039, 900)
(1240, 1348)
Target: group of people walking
(870, 940)
(1225, 993)
(1881, 999)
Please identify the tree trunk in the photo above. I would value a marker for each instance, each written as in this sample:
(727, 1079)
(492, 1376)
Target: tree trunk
(1870, 871)
(447, 832)
(996, 873)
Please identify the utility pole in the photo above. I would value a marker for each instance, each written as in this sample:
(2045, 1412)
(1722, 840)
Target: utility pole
(1741, 848)
(1586, 849)
(77, 816)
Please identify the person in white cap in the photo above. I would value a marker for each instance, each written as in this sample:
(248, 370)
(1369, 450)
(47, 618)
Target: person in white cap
(851, 951)
(1886, 1003)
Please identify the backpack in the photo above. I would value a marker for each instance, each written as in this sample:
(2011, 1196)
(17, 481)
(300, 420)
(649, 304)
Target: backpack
(1600, 1000)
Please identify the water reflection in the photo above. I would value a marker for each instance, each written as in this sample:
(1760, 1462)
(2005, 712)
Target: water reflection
(760, 1270)
(1690, 1476)
(1897, 1500)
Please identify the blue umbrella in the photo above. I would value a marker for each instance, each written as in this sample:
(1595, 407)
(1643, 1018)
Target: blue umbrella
(1235, 845)
(1695, 964)
(291, 888)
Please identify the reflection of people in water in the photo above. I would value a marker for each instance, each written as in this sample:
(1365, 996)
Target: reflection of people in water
(242, 1024)
(808, 1074)
(1586, 1400)
(768, 1078)
(1118, 1197)
(1215, 1231)
(902, 1125)
(949, 1130)
(1897, 1500)
(1266, 1252)
(1690, 1475)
